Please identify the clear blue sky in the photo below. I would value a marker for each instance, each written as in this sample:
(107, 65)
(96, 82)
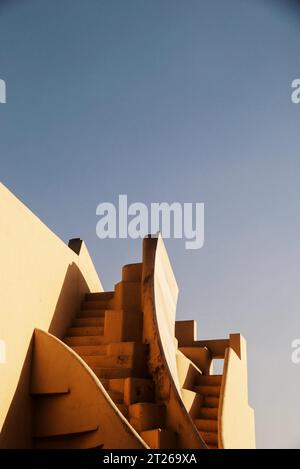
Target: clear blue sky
(169, 100)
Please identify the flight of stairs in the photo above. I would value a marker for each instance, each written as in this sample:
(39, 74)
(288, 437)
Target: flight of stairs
(108, 335)
(155, 386)
(208, 386)
(120, 366)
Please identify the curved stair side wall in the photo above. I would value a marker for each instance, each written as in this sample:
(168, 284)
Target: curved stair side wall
(71, 407)
(42, 283)
(159, 296)
(236, 417)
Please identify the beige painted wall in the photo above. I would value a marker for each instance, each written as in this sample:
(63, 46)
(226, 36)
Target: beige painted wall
(42, 282)
(86, 410)
(236, 417)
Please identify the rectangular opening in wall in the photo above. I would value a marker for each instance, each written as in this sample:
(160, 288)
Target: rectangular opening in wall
(217, 366)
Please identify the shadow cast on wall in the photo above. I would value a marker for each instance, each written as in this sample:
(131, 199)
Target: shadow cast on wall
(17, 430)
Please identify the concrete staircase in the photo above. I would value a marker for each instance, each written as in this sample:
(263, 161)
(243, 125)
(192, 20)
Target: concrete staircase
(121, 365)
(110, 370)
(208, 387)
(121, 378)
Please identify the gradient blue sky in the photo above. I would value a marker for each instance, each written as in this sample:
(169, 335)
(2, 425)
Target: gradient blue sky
(169, 100)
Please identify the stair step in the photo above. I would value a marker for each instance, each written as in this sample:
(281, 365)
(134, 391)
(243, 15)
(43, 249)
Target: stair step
(117, 384)
(82, 322)
(105, 361)
(91, 313)
(87, 440)
(206, 425)
(56, 415)
(208, 390)
(111, 373)
(128, 296)
(147, 416)
(117, 397)
(127, 348)
(209, 413)
(209, 380)
(48, 389)
(84, 340)
(84, 350)
(105, 304)
(212, 402)
(159, 438)
(80, 331)
(132, 272)
(133, 390)
(104, 295)
(210, 438)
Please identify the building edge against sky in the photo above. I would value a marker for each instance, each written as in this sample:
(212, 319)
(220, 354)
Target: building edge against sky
(53, 305)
